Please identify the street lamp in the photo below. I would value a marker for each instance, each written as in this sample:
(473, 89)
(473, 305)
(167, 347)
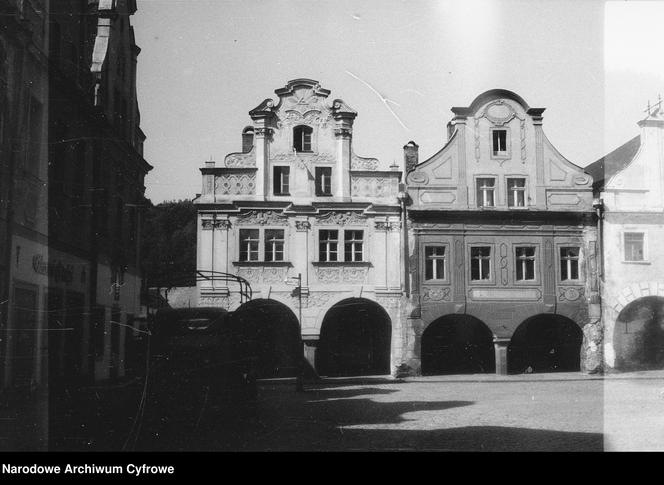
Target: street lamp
(299, 386)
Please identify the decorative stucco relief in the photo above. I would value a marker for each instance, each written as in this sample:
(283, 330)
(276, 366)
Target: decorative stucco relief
(436, 293)
(302, 226)
(346, 274)
(303, 114)
(362, 163)
(373, 186)
(341, 218)
(328, 275)
(263, 274)
(499, 113)
(388, 301)
(262, 218)
(209, 224)
(570, 293)
(503, 263)
(241, 160)
(235, 184)
(417, 177)
(306, 159)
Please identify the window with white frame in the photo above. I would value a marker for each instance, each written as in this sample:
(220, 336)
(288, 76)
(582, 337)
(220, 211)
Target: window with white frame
(274, 245)
(634, 246)
(249, 241)
(480, 263)
(486, 191)
(525, 263)
(328, 243)
(516, 192)
(434, 264)
(353, 245)
(281, 176)
(569, 263)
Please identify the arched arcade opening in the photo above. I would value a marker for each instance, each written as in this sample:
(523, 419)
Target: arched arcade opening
(457, 344)
(638, 335)
(355, 340)
(545, 343)
(272, 333)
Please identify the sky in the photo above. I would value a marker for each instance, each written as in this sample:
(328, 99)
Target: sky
(204, 64)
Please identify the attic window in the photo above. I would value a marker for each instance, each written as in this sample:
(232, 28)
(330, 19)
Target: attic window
(499, 138)
(302, 138)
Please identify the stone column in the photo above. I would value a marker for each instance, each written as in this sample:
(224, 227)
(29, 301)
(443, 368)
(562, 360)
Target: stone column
(300, 252)
(500, 347)
(342, 176)
(379, 255)
(205, 242)
(221, 256)
(261, 145)
(394, 258)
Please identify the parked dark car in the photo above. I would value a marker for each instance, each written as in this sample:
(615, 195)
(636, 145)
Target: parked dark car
(201, 378)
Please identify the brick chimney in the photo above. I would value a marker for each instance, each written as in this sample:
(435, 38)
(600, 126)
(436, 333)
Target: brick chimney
(410, 155)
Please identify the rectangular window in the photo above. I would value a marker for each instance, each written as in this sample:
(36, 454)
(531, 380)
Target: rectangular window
(434, 266)
(249, 244)
(323, 181)
(525, 264)
(274, 245)
(499, 139)
(634, 246)
(353, 245)
(480, 263)
(485, 192)
(302, 138)
(516, 192)
(328, 242)
(281, 176)
(569, 263)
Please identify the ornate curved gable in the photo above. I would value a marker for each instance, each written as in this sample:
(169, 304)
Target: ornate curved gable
(499, 137)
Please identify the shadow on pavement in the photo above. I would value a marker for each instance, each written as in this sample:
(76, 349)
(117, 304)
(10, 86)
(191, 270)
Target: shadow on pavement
(332, 418)
(469, 438)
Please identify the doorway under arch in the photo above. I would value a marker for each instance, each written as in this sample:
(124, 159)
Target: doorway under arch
(272, 332)
(545, 343)
(638, 335)
(355, 340)
(457, 344)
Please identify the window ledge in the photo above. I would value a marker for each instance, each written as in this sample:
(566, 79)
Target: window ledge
(341, 263)
(636, 262)
(262, 263)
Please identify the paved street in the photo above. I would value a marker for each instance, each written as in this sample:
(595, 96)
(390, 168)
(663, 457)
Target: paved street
(537, 412)
(520, 413)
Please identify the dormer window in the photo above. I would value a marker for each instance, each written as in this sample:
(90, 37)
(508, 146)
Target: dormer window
(499, 141)
(302, 138)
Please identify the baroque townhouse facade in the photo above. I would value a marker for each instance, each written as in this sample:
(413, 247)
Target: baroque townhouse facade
(502, 248)
(298, 201)
(630, 183)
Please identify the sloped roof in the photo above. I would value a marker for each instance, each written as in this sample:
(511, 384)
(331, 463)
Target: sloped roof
(613, 162)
